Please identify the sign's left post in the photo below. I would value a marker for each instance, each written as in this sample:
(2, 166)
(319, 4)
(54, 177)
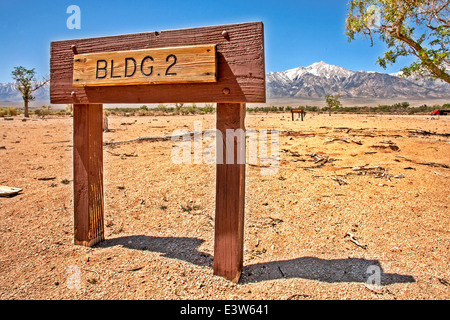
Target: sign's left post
(88, 174)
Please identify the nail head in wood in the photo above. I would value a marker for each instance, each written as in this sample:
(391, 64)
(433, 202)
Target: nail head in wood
(226, 91)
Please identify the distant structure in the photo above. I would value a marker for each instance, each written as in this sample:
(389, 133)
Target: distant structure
(300, 111)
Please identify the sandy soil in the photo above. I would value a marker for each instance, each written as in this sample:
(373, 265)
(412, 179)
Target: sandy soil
(382, 179)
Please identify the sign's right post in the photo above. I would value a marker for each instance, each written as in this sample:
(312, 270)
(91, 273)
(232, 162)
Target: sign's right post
(230, 191)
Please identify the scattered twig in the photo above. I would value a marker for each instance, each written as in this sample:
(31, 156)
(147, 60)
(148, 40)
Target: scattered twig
(339, 180)
(427, 133)
(320, 159)
(93, 271)
(295, 133)
(302, 295)
(337, 139)
(389, 146)
(128, 123)
(49, 142)
(374, 288)
(444, 282)
(122, 154)
(47, 178)
(282, 274)
(352, 239)
(136, 269)
(431, 164)
(258, 165)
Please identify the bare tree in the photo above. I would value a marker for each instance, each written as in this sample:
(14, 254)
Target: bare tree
(26, 83)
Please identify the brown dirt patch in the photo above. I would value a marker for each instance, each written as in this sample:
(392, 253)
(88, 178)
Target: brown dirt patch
(159, 217)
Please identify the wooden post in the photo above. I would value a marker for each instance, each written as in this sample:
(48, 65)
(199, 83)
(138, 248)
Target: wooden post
(88, 174)
(302, 113)
(105, 123)
(230, 195)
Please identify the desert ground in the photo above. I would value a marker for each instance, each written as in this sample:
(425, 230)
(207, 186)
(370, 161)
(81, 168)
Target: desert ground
(353, 194)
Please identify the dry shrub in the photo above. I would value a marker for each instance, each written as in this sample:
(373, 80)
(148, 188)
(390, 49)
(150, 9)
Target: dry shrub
(12, 111)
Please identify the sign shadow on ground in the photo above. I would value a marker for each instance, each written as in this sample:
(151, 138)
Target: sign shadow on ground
(311, 268)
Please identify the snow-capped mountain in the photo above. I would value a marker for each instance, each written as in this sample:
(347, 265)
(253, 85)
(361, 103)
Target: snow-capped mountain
(320, 69)
(319, 79)
(9, 93)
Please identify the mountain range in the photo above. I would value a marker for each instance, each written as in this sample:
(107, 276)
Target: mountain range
(319, 79)
(9, 93)
(314, 82)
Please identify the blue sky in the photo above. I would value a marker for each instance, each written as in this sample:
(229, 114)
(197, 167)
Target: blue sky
(297, 33)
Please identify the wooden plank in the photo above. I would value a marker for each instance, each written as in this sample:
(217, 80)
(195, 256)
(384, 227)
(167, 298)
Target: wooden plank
(240, 67)
(6, 191)
(186, 64)
(88, 174)
(230, 196)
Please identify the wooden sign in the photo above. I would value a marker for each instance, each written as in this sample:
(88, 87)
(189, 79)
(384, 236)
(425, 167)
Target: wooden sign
(187, 64)
(220, 64)
(239, 60)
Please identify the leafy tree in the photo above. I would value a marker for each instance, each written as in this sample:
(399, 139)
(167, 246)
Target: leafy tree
(332, 101)
(417, 28)
(26, 83)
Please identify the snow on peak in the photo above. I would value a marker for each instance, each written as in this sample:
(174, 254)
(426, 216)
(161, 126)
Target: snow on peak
(396, 74)
(320, 69)
(323, 69)
(294, 74)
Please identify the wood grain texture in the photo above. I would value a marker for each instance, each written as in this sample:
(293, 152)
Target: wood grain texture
(88, 173)
(187, 64)
(240, 67)
(230, 196)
